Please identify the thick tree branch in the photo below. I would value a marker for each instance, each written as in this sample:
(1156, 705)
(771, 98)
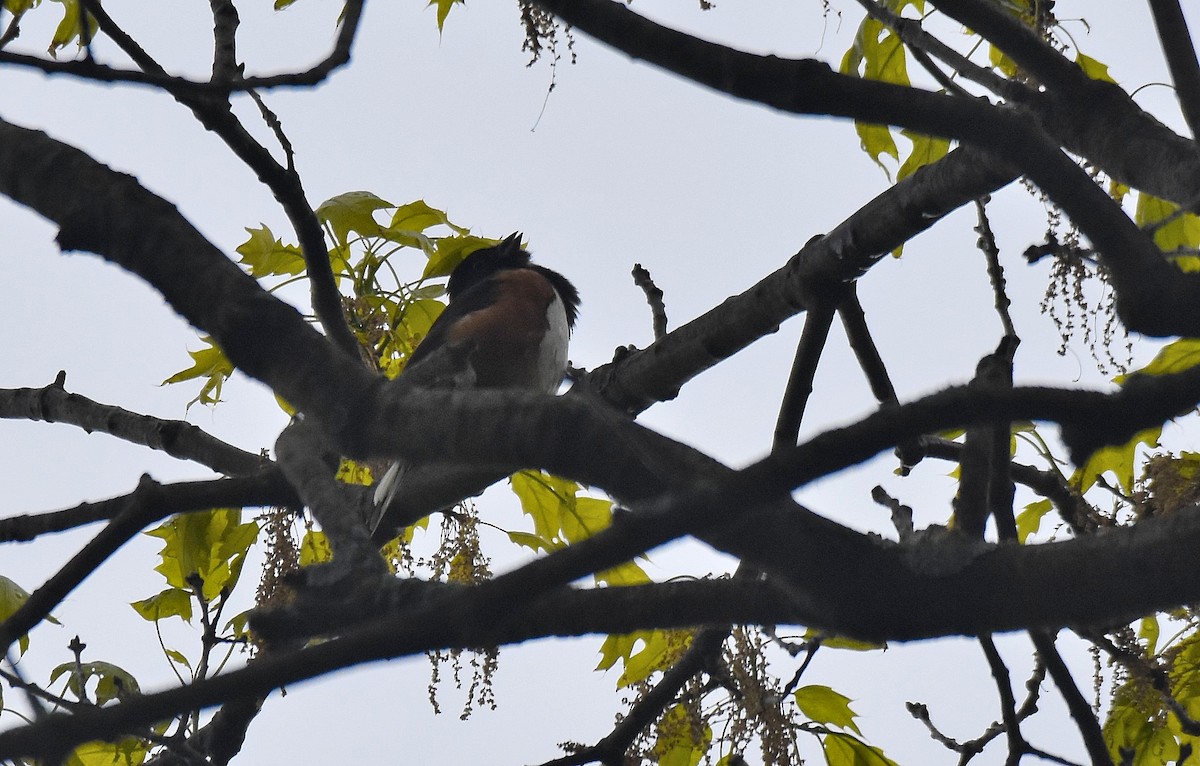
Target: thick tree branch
(1092, 118)
(370, 418)
(1153, 297)
(177, 438)
(656, 373)
(1180, 53)
(450, 617)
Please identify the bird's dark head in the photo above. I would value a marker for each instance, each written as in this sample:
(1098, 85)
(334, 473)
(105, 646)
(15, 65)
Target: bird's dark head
(489, 261)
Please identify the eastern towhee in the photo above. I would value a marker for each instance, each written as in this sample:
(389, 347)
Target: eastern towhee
(511, 319)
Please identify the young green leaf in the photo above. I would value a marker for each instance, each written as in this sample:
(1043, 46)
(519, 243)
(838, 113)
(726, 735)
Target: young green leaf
(171, 602)
(825, 706)
(210, 544)
(210, 363)
(848, 750)
(680, 739)
(352, 212)
(113, 682)
(11, 598)
(1029, 520)
(266, 256)
(1117, 459)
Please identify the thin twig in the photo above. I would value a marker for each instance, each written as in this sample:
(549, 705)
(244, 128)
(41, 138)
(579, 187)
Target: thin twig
(654, 297)
(1080, 710)
(1008, 703)
(991, 252)
(854, 321)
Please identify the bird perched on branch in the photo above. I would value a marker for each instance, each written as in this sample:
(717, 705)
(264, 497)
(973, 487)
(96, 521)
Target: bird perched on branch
(511, 319)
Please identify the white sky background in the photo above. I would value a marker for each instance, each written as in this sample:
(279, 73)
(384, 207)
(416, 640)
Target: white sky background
(626, 164)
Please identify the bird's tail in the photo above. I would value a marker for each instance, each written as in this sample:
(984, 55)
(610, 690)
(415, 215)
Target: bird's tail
(385, 492)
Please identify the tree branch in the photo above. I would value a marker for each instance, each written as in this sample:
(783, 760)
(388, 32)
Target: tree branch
(177, 438)
(338, 57)
(1080, 710)
(804, 368)
(1153, 297)
(267, 488)
(1181, 58)
(150, 502)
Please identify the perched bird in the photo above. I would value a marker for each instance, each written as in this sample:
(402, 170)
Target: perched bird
(512, 320)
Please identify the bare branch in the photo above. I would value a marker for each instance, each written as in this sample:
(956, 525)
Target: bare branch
(1008, 703)
(654, 296)
(177, 438)
(1153, 297)
(184, 87)
(150, 502)
(1181, 58)
(1081, 711)
(263, 489)
(804, 368)
(225, 23)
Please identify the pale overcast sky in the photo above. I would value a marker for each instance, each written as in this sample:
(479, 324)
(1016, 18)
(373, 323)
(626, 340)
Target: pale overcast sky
(621, 164)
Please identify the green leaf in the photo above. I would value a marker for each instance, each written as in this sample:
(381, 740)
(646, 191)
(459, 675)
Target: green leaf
(1133, 725)
(443, 10)
(172, 602)
(848, 750)
(622, 575)
(179, 658)
(1148, 631)
(417, 216)
(829, 641)
(1182, 233)
(680, 739)
(210, 544)
(1177, 356)
(1116, 459)
(450, 251)
(350, 472)
(823, 705)
(1000, 60)
(69, 28)
(18, 7)
(237, 624)
(129, 751)
(314, 548)
(11, 598)
(643, 653)
(534, 542)
(1029, 521)
(547, 500)
(1092, 68)
(926, 150)
(113, 682)
(352, 211)
(210, 363)
(266, 256)
(877, 54)
(585, 517)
